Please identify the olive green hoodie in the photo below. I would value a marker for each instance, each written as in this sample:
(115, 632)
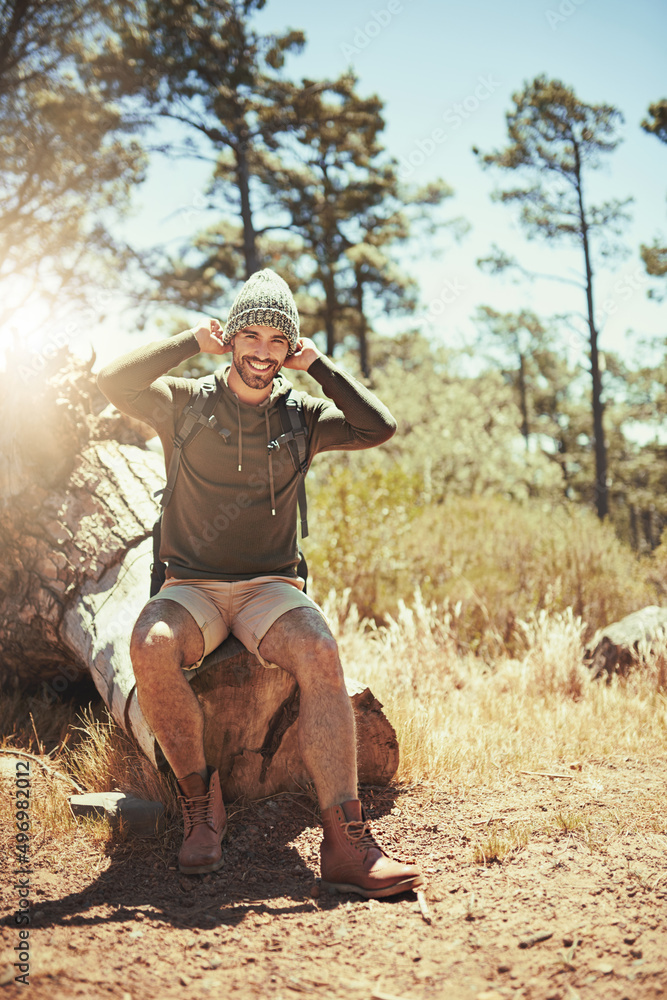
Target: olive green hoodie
(232, 515)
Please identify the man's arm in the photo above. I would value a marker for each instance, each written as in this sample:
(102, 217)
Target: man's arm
(352, 418)
(136, 382)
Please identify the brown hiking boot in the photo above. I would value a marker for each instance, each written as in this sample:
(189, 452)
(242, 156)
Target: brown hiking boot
(352, 861)
(205, 822)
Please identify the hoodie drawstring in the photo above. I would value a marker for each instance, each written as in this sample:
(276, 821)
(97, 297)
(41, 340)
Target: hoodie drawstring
(238, 414)
(268, 441)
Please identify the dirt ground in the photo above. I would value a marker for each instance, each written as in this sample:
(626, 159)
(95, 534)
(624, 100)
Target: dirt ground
(578, 911)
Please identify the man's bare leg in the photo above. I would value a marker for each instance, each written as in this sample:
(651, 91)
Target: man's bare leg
(351, 860)
(165, 639)
(301, 643)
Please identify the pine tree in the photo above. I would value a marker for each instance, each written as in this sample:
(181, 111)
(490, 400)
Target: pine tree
(655, 256)
(555, 140)
(202, 65)
(341, 196)
(518, 339)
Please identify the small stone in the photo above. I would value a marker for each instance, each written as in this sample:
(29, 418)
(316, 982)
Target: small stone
(143, 818)
(604, 968)
(535, 939)
(184, 980)
(636, 952)
(215, 962)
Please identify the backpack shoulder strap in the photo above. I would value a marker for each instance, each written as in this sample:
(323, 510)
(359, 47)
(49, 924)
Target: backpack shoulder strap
(295, 429)
(197, 414)
(295, 437)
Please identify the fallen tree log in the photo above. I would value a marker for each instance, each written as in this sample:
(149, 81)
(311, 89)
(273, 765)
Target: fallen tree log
(76, 483)
(615, 648)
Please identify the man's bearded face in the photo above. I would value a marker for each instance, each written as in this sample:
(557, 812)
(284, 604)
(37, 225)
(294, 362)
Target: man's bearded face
(259, 353)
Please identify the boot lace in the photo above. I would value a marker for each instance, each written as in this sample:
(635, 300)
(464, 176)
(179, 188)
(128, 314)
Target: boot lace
(197, 810)
(359, 833)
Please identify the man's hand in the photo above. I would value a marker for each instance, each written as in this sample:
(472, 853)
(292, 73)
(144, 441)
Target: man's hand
(209, 337)
(306, 352)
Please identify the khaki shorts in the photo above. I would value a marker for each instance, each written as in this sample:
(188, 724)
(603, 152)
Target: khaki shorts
(246, 608)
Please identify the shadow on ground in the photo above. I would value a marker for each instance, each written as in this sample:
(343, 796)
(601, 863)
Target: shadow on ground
(262, 864)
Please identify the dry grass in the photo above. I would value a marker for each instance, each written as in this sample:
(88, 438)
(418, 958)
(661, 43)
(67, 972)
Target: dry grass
(470, 723)
(106, 759)
(460, 722)
(76, 750)
(83, 744)
(500, 843)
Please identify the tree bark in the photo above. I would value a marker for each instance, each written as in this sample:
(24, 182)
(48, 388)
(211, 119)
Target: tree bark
(243, 184)
(329, 307)
(601, 487)
(364, 360)
(77, 480)
(523, 401)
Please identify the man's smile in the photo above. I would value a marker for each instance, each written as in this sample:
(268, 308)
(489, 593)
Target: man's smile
(260, 366)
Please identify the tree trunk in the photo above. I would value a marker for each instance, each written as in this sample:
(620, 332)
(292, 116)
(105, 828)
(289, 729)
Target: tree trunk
(601, 487)
(523, 401)
(243, 184)
(329, 308)
(77, 481)
(364, 360)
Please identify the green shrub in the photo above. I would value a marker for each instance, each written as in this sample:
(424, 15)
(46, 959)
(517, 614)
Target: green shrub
(499, 560)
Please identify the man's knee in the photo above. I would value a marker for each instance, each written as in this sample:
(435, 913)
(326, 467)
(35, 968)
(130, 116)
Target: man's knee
(322, 647)
(165, 632)
(301, 642)
(316, 657)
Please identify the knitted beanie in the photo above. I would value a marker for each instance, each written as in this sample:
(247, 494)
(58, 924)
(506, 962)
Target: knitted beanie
(264, 300)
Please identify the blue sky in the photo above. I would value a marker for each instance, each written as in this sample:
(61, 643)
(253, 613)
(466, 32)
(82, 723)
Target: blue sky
(453, 68)
(428, 57)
